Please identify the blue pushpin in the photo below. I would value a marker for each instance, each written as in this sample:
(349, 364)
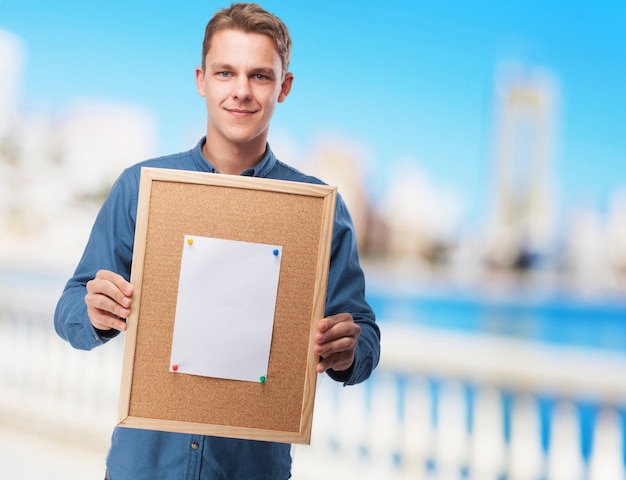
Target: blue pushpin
(276, 252)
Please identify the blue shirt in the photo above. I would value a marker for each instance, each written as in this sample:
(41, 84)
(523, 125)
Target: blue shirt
(144, 454)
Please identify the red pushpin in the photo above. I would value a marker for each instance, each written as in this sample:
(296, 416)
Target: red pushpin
(175, 367)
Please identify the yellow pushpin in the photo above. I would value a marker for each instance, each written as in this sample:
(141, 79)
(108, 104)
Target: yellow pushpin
(190, 240)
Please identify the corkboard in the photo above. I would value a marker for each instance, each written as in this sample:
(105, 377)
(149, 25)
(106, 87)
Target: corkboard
(297, 216)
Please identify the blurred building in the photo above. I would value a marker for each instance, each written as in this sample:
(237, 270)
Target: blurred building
(55, 170)
(616, 232)
(593, 255)
(415, 218)
(522, 209)
(11, 60)
(342, 165)
(420, 217)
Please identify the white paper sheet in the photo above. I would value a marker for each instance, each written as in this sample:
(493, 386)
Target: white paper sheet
(225, 308)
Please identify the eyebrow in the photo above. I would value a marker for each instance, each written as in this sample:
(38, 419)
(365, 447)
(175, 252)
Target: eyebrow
(221, 66)
(267, 71)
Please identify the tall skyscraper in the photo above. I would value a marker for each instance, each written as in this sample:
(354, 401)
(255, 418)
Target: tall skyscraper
(523, 201)
(11, 59)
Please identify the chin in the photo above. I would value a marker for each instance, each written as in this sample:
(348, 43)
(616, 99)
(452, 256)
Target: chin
(242, 138)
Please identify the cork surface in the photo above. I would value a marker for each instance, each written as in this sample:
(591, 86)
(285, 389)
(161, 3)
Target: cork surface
(293, 221)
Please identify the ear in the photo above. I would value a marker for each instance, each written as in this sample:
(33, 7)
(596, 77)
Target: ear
(200, 81)
(285, 87)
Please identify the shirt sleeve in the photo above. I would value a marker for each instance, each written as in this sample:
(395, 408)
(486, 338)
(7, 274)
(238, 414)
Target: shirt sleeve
(346, 294)
(110, 247)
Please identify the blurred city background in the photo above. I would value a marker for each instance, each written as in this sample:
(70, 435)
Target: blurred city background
(481, 148)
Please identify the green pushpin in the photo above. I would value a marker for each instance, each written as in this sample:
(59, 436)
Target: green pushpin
(262, 379)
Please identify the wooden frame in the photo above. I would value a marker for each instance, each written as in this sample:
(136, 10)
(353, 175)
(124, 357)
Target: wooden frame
(298, 216)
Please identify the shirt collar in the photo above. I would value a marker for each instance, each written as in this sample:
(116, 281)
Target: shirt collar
(261, 169)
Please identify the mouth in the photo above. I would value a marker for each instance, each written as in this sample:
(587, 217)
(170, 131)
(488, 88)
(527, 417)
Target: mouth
(239, 112)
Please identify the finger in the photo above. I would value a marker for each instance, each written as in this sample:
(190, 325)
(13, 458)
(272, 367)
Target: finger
(100, 290)
(106, 321)
(339, 330)
(322, 366)
(336, 362)
(104, 313)
(117, 280)
(329, 322)
(340, 345)
(98, 302)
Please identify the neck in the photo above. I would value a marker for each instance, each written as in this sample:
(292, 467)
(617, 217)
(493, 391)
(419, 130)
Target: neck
(232, 158)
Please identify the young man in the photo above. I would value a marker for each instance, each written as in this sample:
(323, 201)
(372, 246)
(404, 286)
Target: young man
(244, 73)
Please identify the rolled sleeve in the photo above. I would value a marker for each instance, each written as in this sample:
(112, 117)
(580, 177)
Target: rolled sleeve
(110, 247)
(346, 293)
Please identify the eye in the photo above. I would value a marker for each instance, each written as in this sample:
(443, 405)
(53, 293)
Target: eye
(260, 76)
(223, 74)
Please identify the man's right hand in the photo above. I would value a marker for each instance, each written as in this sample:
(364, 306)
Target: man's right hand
(109, 298)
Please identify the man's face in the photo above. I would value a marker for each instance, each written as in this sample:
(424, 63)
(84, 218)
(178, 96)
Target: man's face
(241, 85)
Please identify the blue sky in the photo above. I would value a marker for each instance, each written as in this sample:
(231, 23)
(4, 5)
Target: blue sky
(405, 80)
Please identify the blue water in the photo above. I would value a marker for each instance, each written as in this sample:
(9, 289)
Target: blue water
(564, 321)
(561, 320)
(553, 320)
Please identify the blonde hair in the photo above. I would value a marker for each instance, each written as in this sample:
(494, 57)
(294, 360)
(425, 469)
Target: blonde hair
(250, 18)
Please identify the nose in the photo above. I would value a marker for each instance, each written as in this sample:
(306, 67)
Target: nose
(241, 89)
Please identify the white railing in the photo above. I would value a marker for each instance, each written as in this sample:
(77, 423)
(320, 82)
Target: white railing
(46, 386)
(441, 405)
(451, 405)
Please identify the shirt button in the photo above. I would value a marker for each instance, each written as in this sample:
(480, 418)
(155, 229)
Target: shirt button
(195, 445)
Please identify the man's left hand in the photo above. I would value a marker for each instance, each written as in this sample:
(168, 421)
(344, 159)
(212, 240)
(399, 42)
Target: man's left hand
(335, 341)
